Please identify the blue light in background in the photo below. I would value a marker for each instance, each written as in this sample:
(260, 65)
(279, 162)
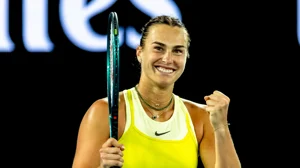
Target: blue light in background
(74, 16)
(298, 20)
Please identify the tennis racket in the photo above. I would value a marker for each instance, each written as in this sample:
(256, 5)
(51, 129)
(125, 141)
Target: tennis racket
(113, 64)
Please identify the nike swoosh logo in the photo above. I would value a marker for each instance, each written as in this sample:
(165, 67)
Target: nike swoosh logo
(159, 134)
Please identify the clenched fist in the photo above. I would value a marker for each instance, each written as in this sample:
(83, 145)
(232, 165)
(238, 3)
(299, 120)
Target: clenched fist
(217, 106)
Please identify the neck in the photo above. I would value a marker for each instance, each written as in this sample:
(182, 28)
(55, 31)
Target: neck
(155, 94)
(157, 101)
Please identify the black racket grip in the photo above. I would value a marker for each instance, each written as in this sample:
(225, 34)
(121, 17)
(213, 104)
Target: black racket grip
(114, 127)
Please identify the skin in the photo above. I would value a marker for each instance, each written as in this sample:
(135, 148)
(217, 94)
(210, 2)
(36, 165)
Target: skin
(163, 60)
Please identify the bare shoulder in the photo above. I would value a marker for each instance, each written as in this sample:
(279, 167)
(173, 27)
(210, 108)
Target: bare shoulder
(100, 103)
(99, 109)
(96, 115)
(194, 107)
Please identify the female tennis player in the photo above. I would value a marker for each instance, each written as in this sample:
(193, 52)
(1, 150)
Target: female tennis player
(157, 128)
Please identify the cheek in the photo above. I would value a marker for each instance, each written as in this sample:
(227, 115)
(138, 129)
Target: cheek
(150, 58)
(181, 61)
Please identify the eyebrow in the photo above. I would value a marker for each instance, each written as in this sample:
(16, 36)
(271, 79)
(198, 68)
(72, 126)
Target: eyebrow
(163, 45)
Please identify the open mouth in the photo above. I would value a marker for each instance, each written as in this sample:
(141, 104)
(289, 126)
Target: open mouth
(164, 70)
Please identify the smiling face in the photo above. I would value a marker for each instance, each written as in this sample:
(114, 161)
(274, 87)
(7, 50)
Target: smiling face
(164, 54)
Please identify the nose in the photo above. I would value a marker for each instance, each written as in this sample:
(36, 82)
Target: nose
(167, 57)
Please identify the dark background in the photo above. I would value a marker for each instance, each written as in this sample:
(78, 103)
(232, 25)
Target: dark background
(244, 49)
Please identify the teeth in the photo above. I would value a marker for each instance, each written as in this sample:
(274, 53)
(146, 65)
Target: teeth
(165, 70)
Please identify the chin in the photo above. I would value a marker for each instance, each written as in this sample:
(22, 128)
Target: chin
(165, 83)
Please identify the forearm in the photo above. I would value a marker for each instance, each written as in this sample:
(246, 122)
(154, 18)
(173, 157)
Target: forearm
(226, 156)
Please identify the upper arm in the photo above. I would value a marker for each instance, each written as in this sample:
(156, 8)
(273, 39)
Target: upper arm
(93, 132)
(207, 143)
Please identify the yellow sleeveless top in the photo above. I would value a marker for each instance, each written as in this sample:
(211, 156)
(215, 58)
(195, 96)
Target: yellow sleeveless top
(170, 144)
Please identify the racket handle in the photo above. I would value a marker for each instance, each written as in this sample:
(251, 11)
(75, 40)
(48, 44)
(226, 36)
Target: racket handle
(114, 124)
(114, 129)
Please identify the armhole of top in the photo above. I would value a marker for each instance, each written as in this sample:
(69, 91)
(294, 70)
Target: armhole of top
(129, 109)
(127, 112)
(188, 120)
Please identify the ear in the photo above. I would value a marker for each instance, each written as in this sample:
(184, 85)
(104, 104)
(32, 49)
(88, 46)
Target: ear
(139, 53)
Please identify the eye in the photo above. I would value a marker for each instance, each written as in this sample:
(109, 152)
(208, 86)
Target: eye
(178, 51)
(158, 48)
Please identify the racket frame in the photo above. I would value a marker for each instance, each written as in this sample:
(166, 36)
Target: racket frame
(113, 64)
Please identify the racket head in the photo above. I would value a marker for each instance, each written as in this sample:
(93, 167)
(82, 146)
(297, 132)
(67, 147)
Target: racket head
(113, 64)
